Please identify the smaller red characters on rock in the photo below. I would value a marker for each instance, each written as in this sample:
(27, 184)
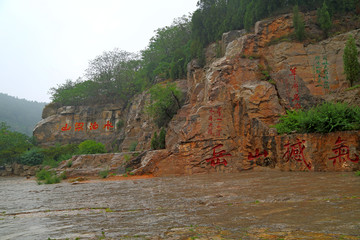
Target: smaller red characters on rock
(296, 97)
(293, 71)
(93, 126)
(79, 126)
(108, 125)
(66, 128)
(342, 152)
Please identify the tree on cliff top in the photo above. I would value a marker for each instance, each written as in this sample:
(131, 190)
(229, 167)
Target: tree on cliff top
(351, 61)
(324, 19)
(299, 25)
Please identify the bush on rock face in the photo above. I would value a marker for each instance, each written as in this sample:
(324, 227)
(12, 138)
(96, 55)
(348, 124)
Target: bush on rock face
(325, 118)
(91, 147)
(33, 157)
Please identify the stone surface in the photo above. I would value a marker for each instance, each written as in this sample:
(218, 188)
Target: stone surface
(226, 124)
(18, 170)
(93, 164)
(131, 125)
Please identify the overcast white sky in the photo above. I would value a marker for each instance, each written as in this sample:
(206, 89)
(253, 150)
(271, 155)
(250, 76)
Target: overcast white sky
(45, 42)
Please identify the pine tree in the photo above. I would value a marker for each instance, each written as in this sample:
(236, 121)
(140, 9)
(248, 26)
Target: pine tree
(298, 24)
(249, 16)
(155, 142)
(323, 18)
(351, 61)
(161, 138)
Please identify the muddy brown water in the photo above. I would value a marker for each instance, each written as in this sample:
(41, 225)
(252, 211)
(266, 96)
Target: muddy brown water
(249, 205)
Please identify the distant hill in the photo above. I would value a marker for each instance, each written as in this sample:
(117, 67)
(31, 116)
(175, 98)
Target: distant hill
(20, 114)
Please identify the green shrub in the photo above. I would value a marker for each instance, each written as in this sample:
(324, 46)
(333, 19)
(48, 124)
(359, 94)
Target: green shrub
(158, 141)
(328, 117)
(161, 139)
(133, 145)
(60, 152)
(104, 173)
(91, 147)
(63, 175)
(69, 164)
(64, 157)
(357, 173)
(51, 163)
(47, 177)
(126, 158)
(164, 103)
(120, 124)
(32, 157)
(155, 141)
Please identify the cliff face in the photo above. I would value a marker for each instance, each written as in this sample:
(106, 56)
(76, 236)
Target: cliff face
(115, 125)
(231, 105)
(226, 125)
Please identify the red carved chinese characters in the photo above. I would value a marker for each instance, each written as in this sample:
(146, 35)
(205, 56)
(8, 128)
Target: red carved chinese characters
(215, 118)
(295, 86)
(108, 125)
(215, 159)
(257, 155)
(66, 128)
(79, 126)
(93, 126)
(296, 152)
(342, 152)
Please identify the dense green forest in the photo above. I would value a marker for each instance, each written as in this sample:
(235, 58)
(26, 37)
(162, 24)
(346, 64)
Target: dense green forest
(21, 115)
(118, 75)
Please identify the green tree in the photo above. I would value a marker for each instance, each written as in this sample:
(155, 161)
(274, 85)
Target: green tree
(12, 144)
(33, 157)
(298, 24)
(324, 19)
(351, 61)
(155, 141)
(162, 136)
(249, 16)
(165, 101)
(110, 77)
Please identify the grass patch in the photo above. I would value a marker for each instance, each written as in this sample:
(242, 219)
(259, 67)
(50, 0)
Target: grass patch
(108, 210)
(69, 164)
(353, 87)
(104, 173)
(357, 173)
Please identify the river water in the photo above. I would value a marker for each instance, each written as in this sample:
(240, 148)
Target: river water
(249, 205)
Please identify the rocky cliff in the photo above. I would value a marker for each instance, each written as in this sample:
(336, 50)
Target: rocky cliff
(231, 105)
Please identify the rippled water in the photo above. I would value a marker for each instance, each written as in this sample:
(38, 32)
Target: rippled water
(289, 205)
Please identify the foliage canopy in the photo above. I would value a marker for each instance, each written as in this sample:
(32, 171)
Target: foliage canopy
(165, 101)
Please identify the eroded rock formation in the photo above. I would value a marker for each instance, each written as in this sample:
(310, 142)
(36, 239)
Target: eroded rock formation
(232, 103)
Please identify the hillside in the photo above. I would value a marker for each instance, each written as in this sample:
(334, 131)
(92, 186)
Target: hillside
(20, 114)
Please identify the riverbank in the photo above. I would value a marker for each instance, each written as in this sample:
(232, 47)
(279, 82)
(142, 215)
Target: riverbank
(248, 205)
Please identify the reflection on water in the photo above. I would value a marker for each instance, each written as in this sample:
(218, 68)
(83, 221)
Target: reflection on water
(245, 205)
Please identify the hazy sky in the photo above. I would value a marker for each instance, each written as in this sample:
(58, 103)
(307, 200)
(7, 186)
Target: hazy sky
(45, 42)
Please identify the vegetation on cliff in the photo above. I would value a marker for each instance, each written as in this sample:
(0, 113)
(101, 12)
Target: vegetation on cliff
(16, 147)
(325, 118)
(118, 75)
(164, 103)
(351, 61)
